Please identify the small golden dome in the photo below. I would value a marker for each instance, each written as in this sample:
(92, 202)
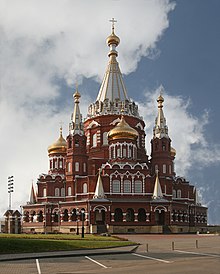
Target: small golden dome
(123, 131)
(113, 39)
(59, 146)
(172, 152)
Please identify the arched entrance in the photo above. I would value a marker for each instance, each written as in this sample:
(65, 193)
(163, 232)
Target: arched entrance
(100, 217)
(160, 216)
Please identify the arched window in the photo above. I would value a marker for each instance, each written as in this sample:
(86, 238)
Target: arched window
(141, 215)
(138, 187)
(40, 216)
(85, 189)
(116, 186)
(76, 142)
(62, 192)
(76, 166)
(164, 168)
(118, 152)
(69, 191)
(69, 167)
(163, 147)
(170, 169)
(94, 140)
(74, 215)
(130, 215)
(105, 139)
(65, 215)
(55, 217)
(174, 193)
(124, 152)
(179, 193)
(118, 216)
(57, 192)
(44, 192)
(60, 163)
(127, 186)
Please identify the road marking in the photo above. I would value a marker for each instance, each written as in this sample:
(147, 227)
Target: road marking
(152, 258)
(196, 253)
(38, 266)
(96, 262)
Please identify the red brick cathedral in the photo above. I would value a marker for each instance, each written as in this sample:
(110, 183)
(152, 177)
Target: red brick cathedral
(101, 179)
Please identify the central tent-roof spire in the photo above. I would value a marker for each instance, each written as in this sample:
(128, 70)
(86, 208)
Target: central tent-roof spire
(112, 87)
(112, 96)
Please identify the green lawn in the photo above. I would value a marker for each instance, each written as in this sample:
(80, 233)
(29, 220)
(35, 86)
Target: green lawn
(21, 243)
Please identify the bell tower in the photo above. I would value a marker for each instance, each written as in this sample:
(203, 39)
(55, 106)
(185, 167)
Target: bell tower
(162, 154)
(76, 160)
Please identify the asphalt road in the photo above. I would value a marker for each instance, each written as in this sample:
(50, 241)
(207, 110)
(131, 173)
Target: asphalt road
(160, 258)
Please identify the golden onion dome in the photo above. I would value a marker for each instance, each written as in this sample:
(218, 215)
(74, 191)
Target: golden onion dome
(113, 39)
(59, 146)
(123, 131)
(172, 152)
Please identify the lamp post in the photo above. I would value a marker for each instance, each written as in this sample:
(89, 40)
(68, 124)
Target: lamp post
(77, 221)
(82, 215)
(10, 188)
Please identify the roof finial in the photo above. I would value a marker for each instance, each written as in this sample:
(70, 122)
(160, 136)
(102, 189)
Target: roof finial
(61, 128)
(113, 21)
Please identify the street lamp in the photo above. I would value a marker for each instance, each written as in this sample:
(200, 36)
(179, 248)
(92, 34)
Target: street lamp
(77, 221)
(10, 188)
(82, 215)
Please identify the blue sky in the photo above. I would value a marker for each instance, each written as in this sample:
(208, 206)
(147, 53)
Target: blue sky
(46, 46)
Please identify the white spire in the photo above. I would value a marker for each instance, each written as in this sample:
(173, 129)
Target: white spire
(160, 128)
(157, 194)
(99, 191)
(112, 96)
(33, 196)
(76, 125)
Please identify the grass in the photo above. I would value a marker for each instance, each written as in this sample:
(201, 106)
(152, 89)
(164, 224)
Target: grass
(23, 243)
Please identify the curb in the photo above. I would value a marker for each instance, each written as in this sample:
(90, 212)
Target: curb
(62, 254)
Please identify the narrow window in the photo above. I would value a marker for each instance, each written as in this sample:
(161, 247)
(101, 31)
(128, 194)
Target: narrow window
(62, 192)
(116, 186)
(44, 192)
(138, 187)
(84, 167)
(57, 192)
(127, 186)
(69, 191)
(76, 166)
(94, 140)
(85, 189)
(164, 168)
(105, 138)
(179, 193)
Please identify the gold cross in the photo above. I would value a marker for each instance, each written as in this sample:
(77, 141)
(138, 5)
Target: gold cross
(113, 21)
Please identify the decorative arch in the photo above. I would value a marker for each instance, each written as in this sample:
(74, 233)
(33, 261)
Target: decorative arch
(93, 124)
(100, 208)
(160, 208)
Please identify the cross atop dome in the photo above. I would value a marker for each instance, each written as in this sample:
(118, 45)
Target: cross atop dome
(113, 21)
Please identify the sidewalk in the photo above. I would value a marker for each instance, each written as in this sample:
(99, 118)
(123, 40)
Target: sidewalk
(74, 253)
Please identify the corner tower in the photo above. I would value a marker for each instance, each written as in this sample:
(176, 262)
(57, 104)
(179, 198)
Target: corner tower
(162, 154)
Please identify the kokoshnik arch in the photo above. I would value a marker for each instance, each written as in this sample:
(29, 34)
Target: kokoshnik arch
(102, 168)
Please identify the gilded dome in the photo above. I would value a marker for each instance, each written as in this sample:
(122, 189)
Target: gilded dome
(59, 146)
(123, 131)
(173, 152)
(113, 39)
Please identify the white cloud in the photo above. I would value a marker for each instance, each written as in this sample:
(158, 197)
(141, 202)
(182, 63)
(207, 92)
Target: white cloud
(43, 42)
